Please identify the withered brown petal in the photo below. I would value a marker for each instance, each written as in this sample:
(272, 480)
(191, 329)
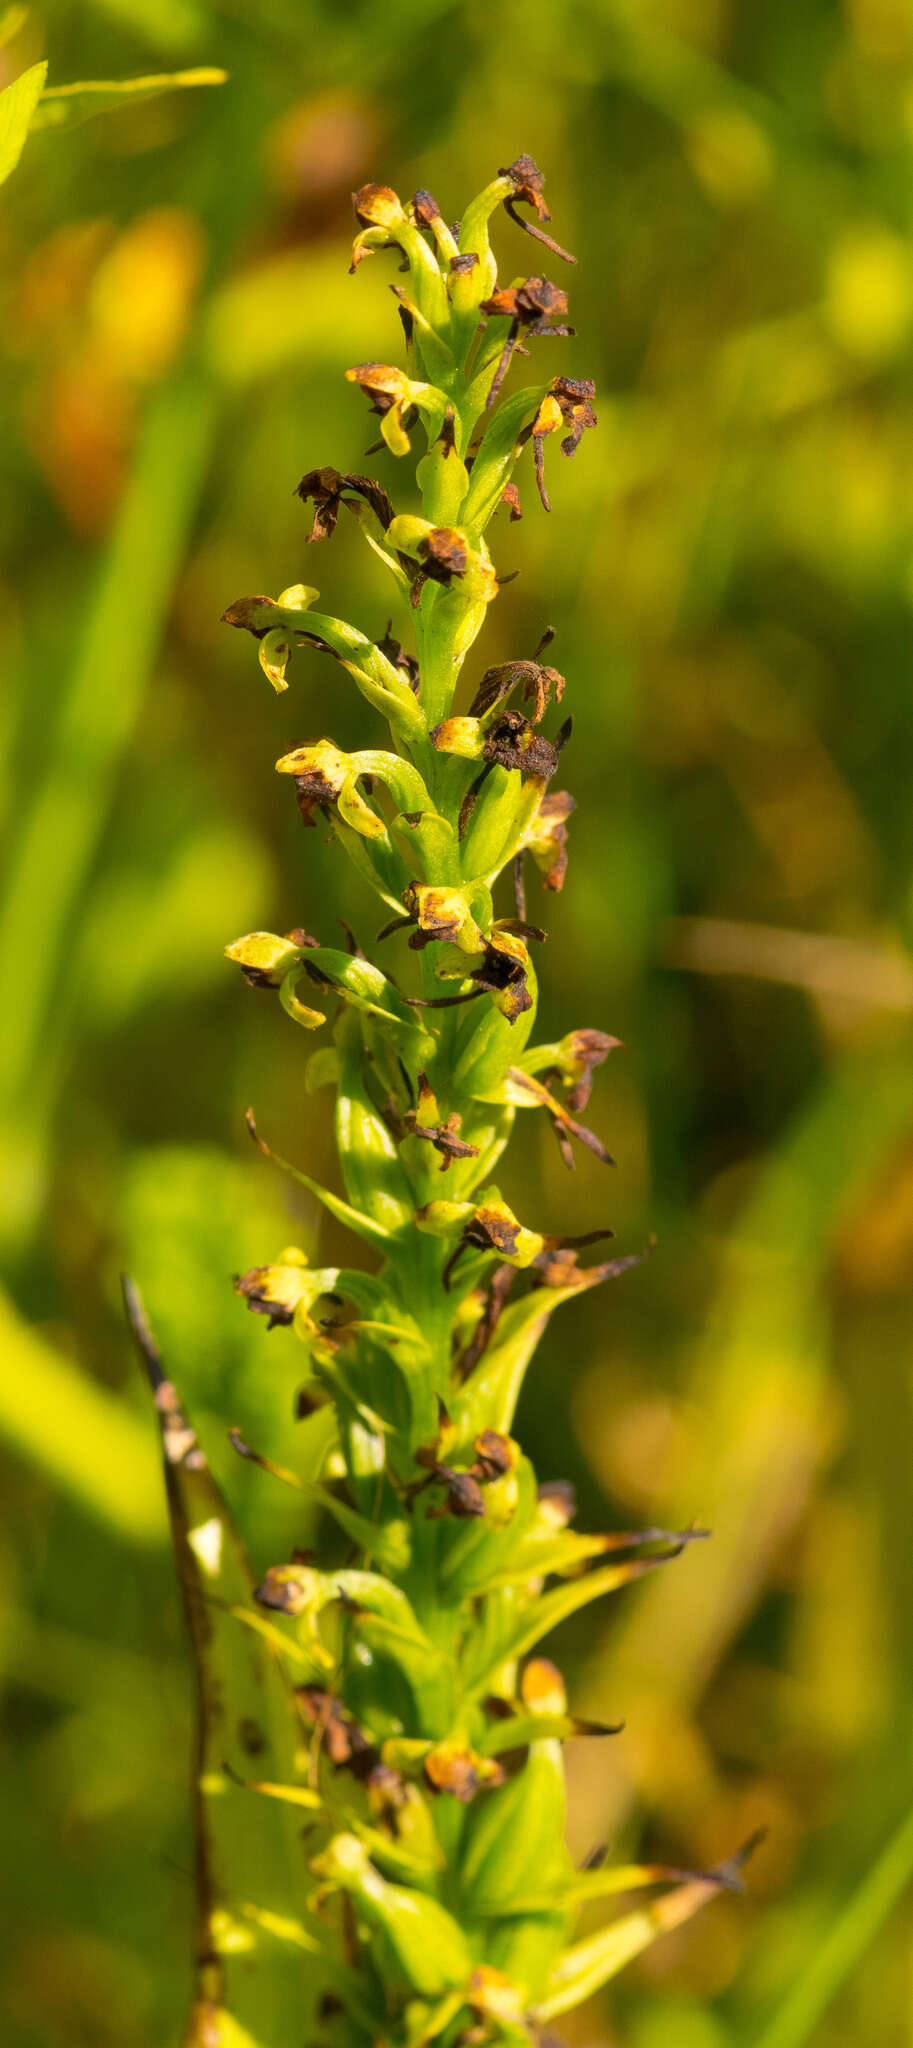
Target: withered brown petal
(464, 1497)
(444, 552)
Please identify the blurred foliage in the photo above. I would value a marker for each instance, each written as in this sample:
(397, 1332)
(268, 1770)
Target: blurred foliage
(729, 566)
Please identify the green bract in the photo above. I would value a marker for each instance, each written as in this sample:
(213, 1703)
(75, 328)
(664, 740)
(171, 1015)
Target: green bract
(430, 1896)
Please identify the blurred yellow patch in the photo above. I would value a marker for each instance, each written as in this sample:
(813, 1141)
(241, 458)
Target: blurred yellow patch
(730, 154)
(882, 28)
(868, 301)
(144, 290)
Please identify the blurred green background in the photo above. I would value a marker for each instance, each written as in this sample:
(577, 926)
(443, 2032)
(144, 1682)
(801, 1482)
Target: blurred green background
(729, 567)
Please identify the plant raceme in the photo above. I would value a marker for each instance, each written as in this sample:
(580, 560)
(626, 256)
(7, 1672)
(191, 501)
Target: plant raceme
(386, 1699)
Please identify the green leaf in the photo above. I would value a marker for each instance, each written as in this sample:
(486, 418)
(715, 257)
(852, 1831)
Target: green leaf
(363, 1226)
(388, 1542)
(498, 452)
(584, 1969)
(521, 1729)
(364, 986)
(371, 1166)
(66, 106)
(526, 1628)
(490, 1396)
(17, 115)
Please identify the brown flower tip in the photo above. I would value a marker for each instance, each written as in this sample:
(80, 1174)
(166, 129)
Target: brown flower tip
(495, 1455)
(514, 743)
(531, 1088)
(463, 1496)
(510, 498)
(330, 489)
(558, 1265)
(383, 382)
(320, 771)
(574, 396)
(535, 300)
(272, 1291)
(528, 183)
(391, 393)
(568, 402)
(424, 1122)
(449, 1768)
(529, 190)
(377, 206)
(425, 209)
(542, 1687)
(440, 914)
(530, 306)
(251, 614)
(388, 1793)
(494, 1229)
(503, 971)
(546, 839)
(538, 685)
(345, 1742)
(494, 1996)
(490, 1227)
(394, 652)
(493, 1303)
(583, 1052)
(285, 1587)
(462, 283)
(265, 959)
(445, 553)
(557, 1501)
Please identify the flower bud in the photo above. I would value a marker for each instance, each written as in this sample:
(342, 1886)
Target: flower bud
(442, 914)
(463, 736)
(427, 213)
(395, 397)
(264, 959)
(529, 306)
(259, 615)
(577, 1056)
(287, 1291)
(425, 1122)
(377, 206)
(496, 1997)
(464, 284)
(542, 1687)
(450, 1767)
(488, 1226)
(290, 1588)
(329, 489)
(324, 779)
(321, 765)
(504, 971)
(513, 742)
